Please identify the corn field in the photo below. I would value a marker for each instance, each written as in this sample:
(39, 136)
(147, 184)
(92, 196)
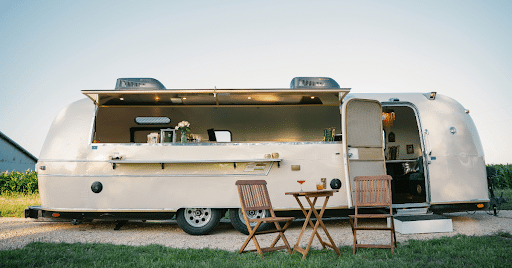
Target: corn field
(503, 177)
(18, 182)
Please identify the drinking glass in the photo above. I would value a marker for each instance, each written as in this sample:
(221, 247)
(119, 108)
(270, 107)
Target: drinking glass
(301, 181)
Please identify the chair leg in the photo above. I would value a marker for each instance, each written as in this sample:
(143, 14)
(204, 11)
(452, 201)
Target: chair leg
(285, 227)
(285, 241)
(253, 237)
(245, 244)
(276, 240)
(282, 236)
(393, 235)
(278, 227)
(354, 243)
(257, 245)
(353, 223)
(391, 245)
(287, 244)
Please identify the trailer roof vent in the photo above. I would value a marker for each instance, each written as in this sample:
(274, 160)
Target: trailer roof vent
(313, 82)
(138, 84)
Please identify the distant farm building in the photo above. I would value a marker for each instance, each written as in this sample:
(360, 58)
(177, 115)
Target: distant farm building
(13, 157)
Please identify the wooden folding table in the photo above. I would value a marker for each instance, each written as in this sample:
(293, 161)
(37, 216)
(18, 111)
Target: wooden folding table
(312, 210)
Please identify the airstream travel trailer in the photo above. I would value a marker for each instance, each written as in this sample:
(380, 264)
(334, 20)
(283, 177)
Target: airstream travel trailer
(117, 154)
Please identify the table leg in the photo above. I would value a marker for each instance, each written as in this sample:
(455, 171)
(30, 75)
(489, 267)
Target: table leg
(296, 247)
(320, 222)
(315, 226)
(312, 209)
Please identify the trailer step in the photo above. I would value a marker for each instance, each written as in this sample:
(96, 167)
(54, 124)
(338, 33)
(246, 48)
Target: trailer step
(404, 211)
(411, 211)
(420, 224)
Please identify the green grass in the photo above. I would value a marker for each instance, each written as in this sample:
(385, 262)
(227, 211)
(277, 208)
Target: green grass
(14, 204)
(459, 251)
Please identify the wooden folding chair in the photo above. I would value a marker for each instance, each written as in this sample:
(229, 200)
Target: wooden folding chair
(254, 196)
(372, 192)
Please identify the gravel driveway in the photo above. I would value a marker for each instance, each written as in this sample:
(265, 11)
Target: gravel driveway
(18, 232)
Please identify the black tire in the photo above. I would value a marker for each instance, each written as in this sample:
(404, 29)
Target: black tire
(238, 222)
(198, 221)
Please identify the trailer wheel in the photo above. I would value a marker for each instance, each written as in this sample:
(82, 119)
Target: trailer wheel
(198, 221)
(237, 219)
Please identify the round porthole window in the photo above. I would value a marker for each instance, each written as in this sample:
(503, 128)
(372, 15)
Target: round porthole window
(453, 130)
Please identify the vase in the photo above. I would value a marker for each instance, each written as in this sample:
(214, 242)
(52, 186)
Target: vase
(183, 137)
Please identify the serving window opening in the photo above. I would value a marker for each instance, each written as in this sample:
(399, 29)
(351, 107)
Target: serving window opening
(273, 123)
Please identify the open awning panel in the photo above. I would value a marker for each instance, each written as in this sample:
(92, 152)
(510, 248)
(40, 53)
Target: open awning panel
(328, 97)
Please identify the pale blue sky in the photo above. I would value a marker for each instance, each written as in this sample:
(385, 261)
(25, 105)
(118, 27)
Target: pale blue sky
(50, 50)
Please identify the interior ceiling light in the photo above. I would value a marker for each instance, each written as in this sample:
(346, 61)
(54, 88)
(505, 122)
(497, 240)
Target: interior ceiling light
(157, 98)
(176, 100)
(121, 98)
(312, 97)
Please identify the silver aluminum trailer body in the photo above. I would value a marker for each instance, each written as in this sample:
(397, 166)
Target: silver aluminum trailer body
(96, 162)
(440, 131)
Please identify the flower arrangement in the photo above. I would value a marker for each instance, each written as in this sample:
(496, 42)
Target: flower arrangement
(183, 126)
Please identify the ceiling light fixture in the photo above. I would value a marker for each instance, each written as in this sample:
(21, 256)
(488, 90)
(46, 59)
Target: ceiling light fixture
(388, 118)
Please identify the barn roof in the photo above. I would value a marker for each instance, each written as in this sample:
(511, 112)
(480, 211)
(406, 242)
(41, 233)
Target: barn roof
(16, 145)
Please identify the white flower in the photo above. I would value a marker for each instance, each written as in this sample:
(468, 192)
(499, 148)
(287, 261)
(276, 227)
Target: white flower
(183, 126)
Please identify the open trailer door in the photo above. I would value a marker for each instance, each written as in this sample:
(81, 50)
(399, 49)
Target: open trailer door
(362, 134)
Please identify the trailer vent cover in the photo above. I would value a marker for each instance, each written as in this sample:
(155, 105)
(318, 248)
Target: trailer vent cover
(138, 84)
(313, 82)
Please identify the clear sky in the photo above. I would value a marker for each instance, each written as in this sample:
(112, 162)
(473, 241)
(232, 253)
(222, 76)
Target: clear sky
(50, 50)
